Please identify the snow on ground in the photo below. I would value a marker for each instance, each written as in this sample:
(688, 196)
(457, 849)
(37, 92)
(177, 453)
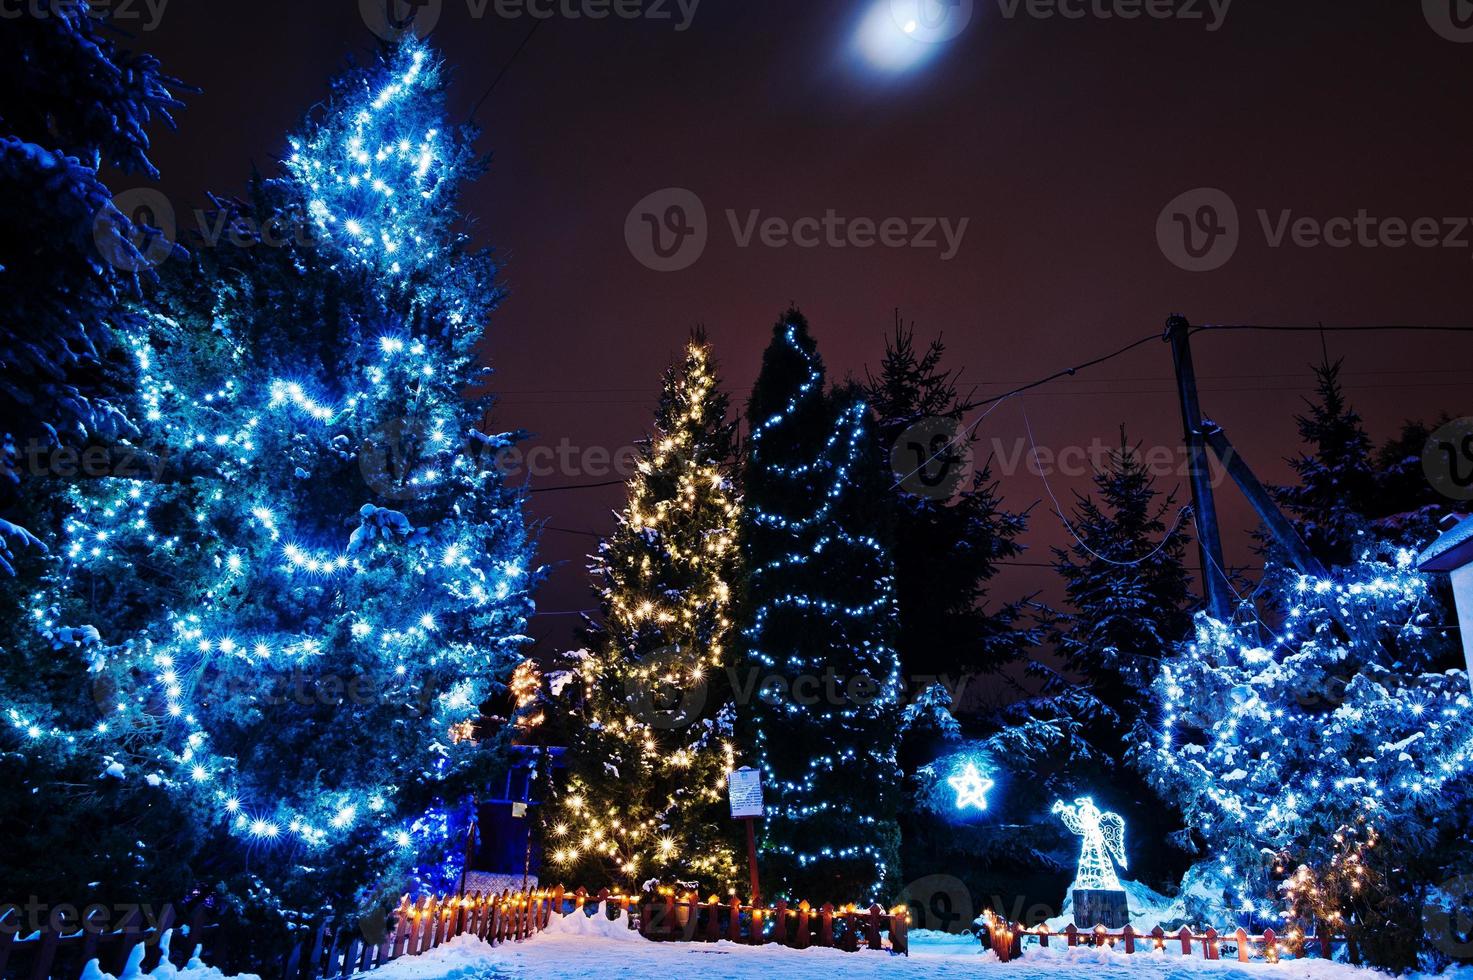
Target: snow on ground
(195, 969)
(594, 951)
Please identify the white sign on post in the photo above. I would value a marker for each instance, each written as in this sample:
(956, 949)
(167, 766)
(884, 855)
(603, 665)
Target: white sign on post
(744, 786)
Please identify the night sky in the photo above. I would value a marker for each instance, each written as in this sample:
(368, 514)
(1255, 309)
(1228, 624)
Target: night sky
(1060, 140)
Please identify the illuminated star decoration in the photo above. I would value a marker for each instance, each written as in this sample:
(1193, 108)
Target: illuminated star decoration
(971, 787)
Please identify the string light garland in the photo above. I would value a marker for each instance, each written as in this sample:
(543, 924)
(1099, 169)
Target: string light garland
(1275, 738)
(1102, 843)
(284, 607)
(811, 820)
(646, 784)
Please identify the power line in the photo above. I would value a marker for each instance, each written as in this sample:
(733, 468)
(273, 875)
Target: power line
(1369, 328)
(996, 400)
(536, 23)
(577, 486)
(1069, 372)
(1068, 526)
(572, 530)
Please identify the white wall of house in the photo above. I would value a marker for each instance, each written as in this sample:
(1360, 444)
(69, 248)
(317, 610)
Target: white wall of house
(1463, 593)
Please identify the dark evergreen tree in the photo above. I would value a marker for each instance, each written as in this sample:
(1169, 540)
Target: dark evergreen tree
(1126, 584)
(653, 738)
(947, 545)
(1408, 506)
(820, 629)
(1129, 600)
(1337, 481)
(73, 101)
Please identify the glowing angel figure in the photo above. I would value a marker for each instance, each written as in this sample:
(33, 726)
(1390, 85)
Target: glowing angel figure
(1104, 838)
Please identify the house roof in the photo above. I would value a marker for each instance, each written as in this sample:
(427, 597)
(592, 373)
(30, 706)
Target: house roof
(1453, 549)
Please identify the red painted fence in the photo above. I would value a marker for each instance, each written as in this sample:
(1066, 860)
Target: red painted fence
(345, 949)
(1007, 938)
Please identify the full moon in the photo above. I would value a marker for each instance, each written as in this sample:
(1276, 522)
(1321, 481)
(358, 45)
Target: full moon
(888, 43)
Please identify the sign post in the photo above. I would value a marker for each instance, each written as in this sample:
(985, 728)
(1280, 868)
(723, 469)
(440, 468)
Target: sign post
(744, 788)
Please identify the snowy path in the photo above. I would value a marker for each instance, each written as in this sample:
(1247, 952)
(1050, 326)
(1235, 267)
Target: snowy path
(557, 955)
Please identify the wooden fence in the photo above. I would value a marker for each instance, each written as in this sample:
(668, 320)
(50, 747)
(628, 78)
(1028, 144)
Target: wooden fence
(416, 928)
(1006, 940)
(346, 949)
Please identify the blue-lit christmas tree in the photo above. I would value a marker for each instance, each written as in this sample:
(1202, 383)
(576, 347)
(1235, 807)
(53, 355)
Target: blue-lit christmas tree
(1333, 746)
(819, 634)
(296, 640)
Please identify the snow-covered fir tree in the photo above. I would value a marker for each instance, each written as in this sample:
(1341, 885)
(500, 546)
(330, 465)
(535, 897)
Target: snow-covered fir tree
(1292, 745)
(1337, 488)
(653, 740)
(75, 101)
(1126, 585)
(295, 642)
(819, 631)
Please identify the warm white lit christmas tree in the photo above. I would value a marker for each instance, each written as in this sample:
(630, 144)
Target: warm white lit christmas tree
(651, 749)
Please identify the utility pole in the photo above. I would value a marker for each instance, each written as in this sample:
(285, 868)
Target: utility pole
(1209, 540)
